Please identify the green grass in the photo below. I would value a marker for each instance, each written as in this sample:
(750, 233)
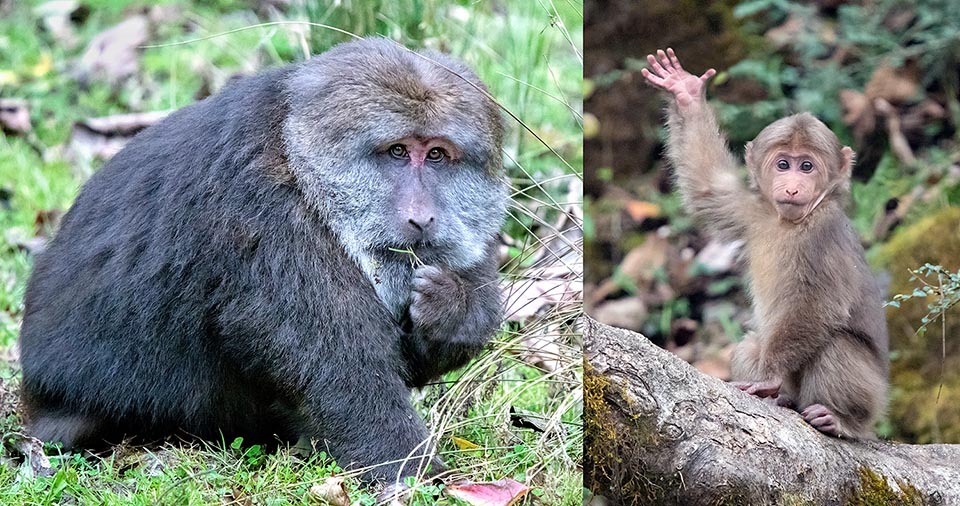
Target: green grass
(529, 55)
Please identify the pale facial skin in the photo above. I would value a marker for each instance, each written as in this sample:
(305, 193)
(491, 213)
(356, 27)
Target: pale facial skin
(792, 182)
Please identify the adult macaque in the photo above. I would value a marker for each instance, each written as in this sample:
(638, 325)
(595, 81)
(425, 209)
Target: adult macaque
(820, 339)
(234, 271)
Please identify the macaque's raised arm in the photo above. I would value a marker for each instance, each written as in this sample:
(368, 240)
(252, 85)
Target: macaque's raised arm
(705, 169)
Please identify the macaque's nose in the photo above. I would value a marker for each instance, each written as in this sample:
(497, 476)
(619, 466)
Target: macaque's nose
(792, 193)
(422, 223)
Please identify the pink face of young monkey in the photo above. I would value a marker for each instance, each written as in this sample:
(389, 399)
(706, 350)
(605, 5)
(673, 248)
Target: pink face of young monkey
(795, 162)
(793, 181)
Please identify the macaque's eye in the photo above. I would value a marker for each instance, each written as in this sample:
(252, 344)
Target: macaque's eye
(783, 165)
(435, 155)
(398, 151)
(806, 166)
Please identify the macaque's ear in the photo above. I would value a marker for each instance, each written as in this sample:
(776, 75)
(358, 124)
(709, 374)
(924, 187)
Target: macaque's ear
(752, 170)
(846, 165)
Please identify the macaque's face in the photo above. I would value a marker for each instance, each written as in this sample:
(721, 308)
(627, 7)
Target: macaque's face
(793, 181)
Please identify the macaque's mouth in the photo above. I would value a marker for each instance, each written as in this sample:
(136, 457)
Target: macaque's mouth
(791, 203)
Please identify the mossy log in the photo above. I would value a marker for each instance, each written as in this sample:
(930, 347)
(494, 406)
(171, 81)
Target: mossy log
(660, 432)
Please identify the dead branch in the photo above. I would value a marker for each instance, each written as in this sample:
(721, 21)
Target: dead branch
(660, 432)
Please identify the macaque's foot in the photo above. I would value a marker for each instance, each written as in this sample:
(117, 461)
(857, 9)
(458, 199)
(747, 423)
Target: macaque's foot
(762, 389)
(822, 419)
(438, 300)
(666, 73)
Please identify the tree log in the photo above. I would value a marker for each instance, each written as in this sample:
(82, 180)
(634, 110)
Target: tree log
(660, 432)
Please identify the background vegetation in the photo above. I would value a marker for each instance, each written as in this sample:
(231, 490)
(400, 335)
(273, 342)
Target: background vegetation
(882, 74)
(515, 412)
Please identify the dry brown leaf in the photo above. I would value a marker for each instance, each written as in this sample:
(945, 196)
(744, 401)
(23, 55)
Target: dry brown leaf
(113, 55)
(787, 33)
(541, 349)
(858, 113)
(895, 85)
(640, 210)
(898, 142)
(627, 313)
(639, 266)
(333, 492)
(104, 137)
(30, 448)
(642, 262)
(505, 492)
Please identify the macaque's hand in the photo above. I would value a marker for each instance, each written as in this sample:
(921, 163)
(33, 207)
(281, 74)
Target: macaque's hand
(762, 389)
(438, 300)
(667, 73)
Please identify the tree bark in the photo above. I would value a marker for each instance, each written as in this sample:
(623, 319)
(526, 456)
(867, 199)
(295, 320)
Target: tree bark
(660, 432)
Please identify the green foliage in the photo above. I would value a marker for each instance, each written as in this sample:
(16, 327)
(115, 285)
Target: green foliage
(812, 81)
(932, 281)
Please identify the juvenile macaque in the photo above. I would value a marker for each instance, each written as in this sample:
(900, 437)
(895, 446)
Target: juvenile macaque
(238, 269)
(820, 338)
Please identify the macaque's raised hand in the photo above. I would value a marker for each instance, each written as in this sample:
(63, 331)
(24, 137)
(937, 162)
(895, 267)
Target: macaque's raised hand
(667, 73)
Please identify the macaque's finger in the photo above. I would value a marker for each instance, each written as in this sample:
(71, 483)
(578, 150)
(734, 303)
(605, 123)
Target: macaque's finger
(741, 385)
(655, 65)
(664, 60)
(814, 410)
(674, 60)
(653, 78)
(769, 389)
(708, 74)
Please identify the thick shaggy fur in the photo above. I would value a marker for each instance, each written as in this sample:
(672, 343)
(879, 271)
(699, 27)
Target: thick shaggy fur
(228, 272)
(818, 317)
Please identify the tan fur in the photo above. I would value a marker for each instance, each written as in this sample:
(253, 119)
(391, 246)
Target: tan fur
(818, 319)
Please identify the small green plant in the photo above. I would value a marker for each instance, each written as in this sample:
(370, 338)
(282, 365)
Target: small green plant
(933, 281)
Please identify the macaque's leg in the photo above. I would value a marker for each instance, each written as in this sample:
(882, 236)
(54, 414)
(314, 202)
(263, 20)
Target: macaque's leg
(748, 376)
(72, 430)
(745, 361)
(842, 391)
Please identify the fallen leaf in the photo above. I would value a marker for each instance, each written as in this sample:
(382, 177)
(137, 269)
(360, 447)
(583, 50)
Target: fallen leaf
(464, 444)
(113, 55)
(503, 492)
(639, 210)
(31, 450)
(101, 138)
(788, 33)
(627, 313)
(541, 350)
(527, 420)
(858, 113)
(333, 491)
(893, 84)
